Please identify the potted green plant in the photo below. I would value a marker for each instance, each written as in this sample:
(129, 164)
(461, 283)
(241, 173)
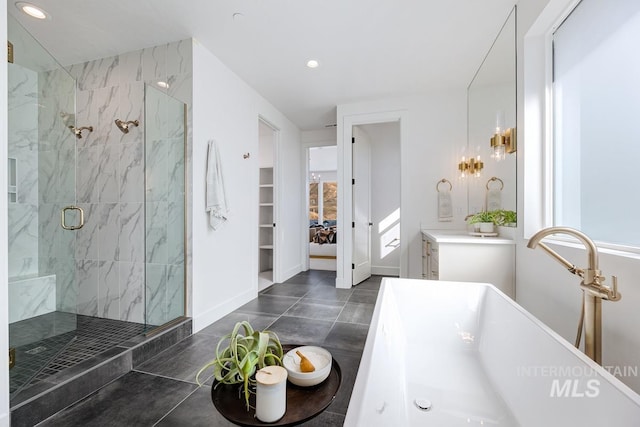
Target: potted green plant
(244, 353)
(506, 218)
(486, 221)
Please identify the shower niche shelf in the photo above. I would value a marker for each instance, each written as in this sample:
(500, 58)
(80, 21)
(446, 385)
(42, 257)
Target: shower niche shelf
(13, 180)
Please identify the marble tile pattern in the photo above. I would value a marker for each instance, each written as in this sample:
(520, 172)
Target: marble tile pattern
(100, 270)
(23, 147)
(164, 206)
(127, 224)
(31, 297)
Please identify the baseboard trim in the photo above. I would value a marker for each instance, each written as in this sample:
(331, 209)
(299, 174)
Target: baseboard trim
(342, 284)
(205, 319)
(291, 272)
(385, 271)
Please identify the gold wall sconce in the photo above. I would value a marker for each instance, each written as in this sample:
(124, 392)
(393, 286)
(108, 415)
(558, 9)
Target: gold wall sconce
(503, 143)
(471, 167)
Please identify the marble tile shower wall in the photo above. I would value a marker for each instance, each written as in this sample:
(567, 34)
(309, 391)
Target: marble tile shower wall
(110, 248)
(23, 148)
(164, 204)
(56, 182)
(32, 292)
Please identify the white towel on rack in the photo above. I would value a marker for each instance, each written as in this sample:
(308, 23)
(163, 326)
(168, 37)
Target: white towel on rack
(494, 199)
(445, 206)
(216, 198)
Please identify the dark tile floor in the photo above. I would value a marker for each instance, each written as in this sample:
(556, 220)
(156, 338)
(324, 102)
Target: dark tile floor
(306, 309)
(56, 352)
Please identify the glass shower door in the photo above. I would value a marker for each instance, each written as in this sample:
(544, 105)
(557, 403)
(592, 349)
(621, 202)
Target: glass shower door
(42, 199)
(165, 141)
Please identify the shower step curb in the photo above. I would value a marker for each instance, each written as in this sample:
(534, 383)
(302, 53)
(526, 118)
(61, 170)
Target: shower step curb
(49, 397)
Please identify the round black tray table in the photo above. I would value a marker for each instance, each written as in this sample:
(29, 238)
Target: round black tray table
(303, 403)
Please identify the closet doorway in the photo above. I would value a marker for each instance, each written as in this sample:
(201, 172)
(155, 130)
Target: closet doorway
(322, 197)
(267, 204)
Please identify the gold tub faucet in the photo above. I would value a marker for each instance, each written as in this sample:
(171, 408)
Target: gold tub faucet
(592, 285)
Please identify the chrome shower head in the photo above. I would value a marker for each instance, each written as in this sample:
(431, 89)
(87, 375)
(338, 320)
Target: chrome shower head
(124, 126)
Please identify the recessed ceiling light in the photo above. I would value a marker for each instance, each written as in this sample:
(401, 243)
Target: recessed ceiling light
(32, 10)
(238, 16)
(312, 63)
(163, 85)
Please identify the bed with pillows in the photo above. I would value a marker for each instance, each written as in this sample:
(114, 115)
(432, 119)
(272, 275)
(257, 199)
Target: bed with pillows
(322, 248)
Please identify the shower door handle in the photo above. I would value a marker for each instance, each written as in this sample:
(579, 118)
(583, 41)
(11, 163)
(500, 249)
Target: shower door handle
(63, 217)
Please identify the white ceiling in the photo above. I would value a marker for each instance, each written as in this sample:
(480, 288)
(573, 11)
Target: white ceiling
(367, 49)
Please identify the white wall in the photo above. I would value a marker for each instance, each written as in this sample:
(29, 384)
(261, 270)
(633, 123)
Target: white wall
(323, 158)
(225, 261)
(385, 196)
(432, 134)
(543, 287)
(323, 163)
(318, 137)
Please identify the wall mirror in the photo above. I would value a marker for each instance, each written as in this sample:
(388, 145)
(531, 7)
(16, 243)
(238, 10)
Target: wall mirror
(491, 103)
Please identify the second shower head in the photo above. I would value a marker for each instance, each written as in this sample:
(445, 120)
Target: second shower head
(124, 126)
(78, 131)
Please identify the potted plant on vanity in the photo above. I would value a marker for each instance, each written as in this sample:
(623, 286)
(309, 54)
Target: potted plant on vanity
(506, 222)
(506, 218)
(483, 221)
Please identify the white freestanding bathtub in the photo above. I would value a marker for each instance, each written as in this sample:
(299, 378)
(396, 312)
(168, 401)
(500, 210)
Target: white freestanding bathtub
(472, 356)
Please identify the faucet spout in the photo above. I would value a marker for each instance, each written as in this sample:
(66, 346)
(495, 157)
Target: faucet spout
(592, 274)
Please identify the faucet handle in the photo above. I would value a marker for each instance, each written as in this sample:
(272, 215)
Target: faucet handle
(600, 290)
(615, 295)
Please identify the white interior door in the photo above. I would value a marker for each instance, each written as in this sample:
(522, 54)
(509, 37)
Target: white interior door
(361, 155)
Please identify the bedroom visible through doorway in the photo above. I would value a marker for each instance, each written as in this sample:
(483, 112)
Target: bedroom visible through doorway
(322, 201)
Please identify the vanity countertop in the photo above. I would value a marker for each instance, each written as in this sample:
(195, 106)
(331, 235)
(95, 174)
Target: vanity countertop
(462, 236)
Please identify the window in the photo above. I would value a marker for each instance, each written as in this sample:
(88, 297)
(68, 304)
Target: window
(329, 201)
(323, 209)
(313, 201)
(596, 105)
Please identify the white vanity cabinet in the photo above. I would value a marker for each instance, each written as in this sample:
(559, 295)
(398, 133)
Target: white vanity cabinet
(456, 256)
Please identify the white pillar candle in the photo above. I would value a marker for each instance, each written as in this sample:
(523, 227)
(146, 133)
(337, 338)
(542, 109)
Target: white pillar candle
(271, 393)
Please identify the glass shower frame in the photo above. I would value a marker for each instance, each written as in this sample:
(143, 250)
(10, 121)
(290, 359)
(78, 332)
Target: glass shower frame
(165, 208)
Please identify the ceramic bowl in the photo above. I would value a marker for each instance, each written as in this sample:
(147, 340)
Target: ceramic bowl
(320, 358)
